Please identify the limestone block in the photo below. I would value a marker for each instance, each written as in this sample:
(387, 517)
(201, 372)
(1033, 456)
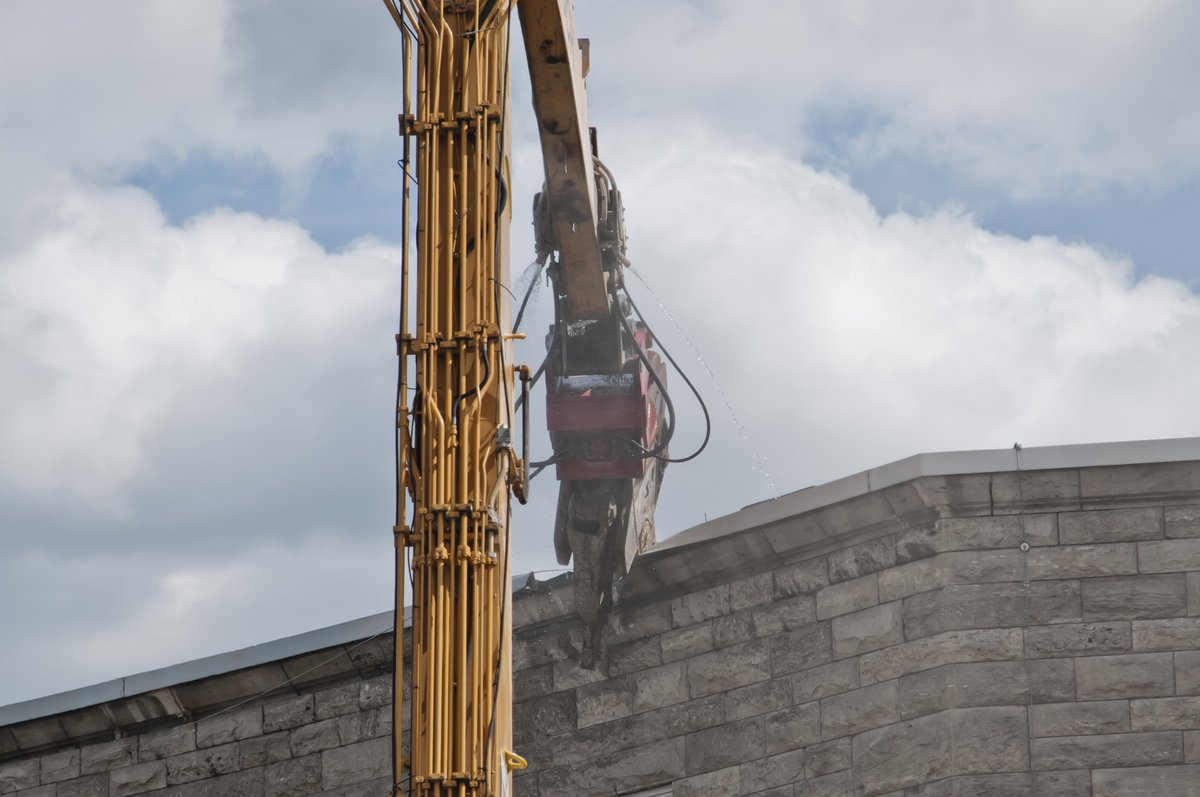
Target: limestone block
(792, 727)
(800, 649)
(867, 630)
(1079, 719)
(784, 615)
(733, 629)
(1079, 639)
(107, 755)
(828, 679)
(939, 649)
(862, 559)
(316, 737)
(294, 778)
(902, 755)
(1134, 597)
(1035, 490)
(622, 659)
(827, 757)
(1107, 750)
(288, 711)
(1187, 672)
(759, 698)
(565, 675)
(1082, 561)
(20, 774)
(696, 607)
(729, 668)
(534, 682)
(848, 596)
(686, 642)
(1014, 784)
(1182, 521)
(1191, 747)
(617, 773)
(358, 726)
(604, 701)
(795, 533)
(626, 624)
(49, 790)
(756, 590)
(1169, 556)
(1038, 530)
(801, 578)
(1181, 633)
(1110, 525)
(724, 746)
(247, 783)
(838, 784)
(704, 712)
(989, 739)
(777, 770)
(660, 686)
(543, 716)
(137, 778)
(356, 763)
(967, 606)
(556, 642)
(860, 710)
(981, 567)
(1193, 591)
(986, 684)
(229, 726)
(908, 579)
(1165, 714)
(710, 784)
(204, 763)
(262, 750)
(956, 742)
(1178, 781)
(337, 700)
(1117, 483)
(1126, 676)
(372, 692)
(1063, 783)
(167, 742)
(60, 765)
(958, 534)
(87, 786)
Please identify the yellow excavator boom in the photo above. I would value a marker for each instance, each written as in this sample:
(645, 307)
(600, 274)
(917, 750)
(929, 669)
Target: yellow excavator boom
(456, 462)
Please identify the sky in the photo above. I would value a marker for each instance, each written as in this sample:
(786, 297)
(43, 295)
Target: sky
(865, 230)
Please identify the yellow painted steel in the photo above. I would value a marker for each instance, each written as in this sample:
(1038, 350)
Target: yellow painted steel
(456, 460)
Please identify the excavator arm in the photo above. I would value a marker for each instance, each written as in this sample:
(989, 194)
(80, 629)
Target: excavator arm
(604, 387)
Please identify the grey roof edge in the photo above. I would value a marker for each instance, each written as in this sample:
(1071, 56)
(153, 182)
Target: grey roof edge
(209, 666)
(944, 463)
(196, 669)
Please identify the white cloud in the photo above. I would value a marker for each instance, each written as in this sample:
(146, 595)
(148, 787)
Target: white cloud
(122, 324)
(1038, 99)
(105, 616)
(846, 339)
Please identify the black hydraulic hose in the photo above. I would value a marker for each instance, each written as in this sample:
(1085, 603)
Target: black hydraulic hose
(695, 392)
(487, 374)
(662, 388)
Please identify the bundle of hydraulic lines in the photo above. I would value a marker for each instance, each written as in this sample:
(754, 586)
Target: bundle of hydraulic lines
(455, 461)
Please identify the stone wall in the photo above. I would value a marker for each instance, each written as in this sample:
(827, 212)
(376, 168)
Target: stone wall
(326, 732)
(1009, 634)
